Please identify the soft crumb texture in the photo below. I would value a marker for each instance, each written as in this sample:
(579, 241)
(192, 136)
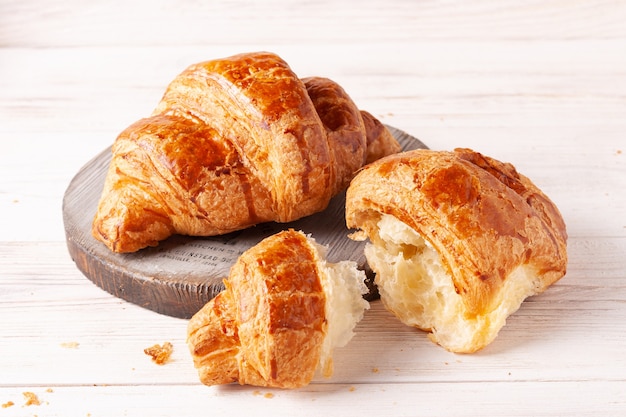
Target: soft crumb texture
(160, 354)
(282, 312)
(414, 286)
(31, 398)
(344, 286)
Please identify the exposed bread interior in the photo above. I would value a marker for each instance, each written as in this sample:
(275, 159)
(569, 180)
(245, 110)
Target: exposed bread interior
(283, 312)
(457, 241)
(415, 286)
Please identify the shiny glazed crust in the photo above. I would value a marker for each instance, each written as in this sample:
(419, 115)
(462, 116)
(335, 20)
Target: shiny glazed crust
(268, 326)
(234, 142)
(481, 216)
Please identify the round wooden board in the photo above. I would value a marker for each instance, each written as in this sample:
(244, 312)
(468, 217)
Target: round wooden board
(182, 273)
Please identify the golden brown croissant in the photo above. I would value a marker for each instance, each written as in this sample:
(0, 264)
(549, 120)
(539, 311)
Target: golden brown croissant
(283, 311)
(234, 142)
(458, 240)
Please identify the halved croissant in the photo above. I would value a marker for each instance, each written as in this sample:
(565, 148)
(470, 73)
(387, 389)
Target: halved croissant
(234, 142)
(283, 311)
(458, 241)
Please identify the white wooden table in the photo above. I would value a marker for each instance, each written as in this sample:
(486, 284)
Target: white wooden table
(539, 84)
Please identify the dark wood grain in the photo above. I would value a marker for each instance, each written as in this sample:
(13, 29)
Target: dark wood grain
(182, 273)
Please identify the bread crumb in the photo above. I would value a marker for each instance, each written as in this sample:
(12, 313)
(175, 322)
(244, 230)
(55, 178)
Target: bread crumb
(160, 354)
(266, 395)
(375, 370)
(70, 345)
(49, 390)
(8, 404)
(31, 398)
(352, 389)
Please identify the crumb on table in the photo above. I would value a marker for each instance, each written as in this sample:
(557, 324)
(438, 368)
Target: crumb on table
(31, 398)
(160, 354)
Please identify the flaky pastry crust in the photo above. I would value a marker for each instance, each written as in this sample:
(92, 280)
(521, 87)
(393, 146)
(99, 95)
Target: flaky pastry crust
(269, 326)
(483, 219)
(234, 142)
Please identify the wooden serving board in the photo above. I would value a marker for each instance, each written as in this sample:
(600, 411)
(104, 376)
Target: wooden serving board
(182, 273)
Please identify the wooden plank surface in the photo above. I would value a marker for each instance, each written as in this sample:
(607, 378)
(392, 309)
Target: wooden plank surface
(538, 84)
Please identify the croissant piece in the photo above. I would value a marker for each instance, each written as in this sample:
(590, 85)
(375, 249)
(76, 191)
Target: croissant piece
(282, 312)
(234, 142)
(458, 241)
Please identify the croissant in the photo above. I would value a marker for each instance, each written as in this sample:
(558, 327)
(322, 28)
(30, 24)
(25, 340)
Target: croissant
(234, 142)
(458, 241)
(282, 312)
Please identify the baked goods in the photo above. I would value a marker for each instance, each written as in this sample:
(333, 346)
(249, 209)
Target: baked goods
(160, 354)
(234, 142)
(282, 312)
(31, 398)
(457, 240)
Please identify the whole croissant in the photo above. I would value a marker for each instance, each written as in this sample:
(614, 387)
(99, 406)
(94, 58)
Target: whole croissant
(234, 142)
